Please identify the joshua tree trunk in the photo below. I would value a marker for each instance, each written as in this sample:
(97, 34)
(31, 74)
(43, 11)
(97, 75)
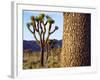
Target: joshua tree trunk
(42, 56)
(76, 40)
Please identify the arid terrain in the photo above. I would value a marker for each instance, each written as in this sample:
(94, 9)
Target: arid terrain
(32, 60)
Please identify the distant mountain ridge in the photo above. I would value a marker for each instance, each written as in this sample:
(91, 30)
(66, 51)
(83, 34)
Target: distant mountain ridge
(32, 45)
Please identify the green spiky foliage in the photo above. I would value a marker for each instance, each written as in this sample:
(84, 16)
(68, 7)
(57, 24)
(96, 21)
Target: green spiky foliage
(39, 26)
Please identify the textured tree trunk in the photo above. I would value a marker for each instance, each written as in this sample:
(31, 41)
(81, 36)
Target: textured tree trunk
(42, 56)
(76, 40)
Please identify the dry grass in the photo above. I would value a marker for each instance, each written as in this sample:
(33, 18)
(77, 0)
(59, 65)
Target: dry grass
(32, 61)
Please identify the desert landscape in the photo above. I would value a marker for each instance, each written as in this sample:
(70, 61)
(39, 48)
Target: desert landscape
(32, 61)
(72, 50)
(32, 56)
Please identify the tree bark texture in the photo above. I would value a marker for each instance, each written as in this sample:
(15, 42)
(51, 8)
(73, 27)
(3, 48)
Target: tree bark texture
(76, 47)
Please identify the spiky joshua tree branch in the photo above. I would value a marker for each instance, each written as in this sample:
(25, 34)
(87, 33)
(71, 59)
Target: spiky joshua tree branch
(38, 25)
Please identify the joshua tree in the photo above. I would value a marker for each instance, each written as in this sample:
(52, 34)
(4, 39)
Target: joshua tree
(51, 44)
(38, 25)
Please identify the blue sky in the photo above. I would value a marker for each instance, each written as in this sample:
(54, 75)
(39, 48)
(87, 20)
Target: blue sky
(57, 16)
